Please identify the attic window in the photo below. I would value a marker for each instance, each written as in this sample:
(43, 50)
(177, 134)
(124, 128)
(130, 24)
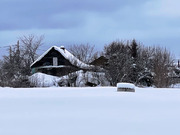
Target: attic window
(55, 61)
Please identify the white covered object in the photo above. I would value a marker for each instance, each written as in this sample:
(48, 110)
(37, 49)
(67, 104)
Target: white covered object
(126, 85)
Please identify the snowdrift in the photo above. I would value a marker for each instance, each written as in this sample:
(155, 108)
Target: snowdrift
(82, 79)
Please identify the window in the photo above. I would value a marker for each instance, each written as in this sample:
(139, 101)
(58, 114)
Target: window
(55, 61)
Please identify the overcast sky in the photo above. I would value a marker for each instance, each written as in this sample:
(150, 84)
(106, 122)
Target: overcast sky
(97, 22)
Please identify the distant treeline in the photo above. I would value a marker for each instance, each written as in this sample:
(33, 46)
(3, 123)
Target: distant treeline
(126, 61)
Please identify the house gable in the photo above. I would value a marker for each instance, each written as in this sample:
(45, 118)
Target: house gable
(47, 60)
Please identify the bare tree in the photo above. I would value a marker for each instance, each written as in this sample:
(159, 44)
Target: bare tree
(85, 53)
(29, 46)
(162, 66)
(118, 65)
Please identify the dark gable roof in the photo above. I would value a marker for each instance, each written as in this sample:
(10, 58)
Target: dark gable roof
(67, 55)
(101, 61)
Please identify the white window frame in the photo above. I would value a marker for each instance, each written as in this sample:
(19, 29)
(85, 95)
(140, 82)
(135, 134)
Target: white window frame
(55, 61)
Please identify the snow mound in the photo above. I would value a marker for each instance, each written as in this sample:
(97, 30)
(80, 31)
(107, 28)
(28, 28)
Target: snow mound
(43, 80)
(75, 79)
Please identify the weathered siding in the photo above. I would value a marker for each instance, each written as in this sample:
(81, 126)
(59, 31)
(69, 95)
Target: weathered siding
(57, 71)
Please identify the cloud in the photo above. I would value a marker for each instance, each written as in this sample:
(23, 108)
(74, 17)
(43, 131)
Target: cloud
(62, 14)
(163, 8)
(95, 22)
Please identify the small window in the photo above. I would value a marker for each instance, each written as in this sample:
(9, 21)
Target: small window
(55, 61)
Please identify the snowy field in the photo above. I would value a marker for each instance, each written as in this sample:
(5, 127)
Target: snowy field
(89, 111)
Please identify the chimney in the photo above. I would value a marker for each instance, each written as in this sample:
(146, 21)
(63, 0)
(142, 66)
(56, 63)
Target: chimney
(63, 48)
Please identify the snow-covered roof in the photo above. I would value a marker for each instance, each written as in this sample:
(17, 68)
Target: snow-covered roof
(67, 55)
(125, 85)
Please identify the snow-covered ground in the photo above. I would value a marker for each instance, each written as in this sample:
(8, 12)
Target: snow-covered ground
(89, 111)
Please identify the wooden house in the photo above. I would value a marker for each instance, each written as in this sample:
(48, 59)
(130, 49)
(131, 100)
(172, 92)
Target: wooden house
(58, 61)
